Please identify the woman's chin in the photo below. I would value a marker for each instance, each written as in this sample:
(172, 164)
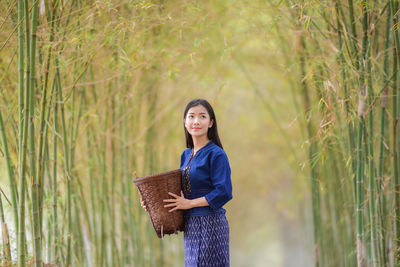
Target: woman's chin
(194, 134)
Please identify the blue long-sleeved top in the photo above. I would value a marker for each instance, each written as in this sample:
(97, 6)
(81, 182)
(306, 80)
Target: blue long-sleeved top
(206, 174)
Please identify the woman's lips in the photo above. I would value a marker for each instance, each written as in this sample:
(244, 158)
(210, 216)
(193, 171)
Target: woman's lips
(196, 128)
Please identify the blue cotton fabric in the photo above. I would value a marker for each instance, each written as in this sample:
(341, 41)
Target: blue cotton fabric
(206, 233)
(206, 174)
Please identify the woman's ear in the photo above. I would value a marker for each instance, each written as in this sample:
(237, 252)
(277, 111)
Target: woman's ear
(211, 124)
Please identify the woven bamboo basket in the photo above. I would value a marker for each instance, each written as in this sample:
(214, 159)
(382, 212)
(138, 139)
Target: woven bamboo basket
(154, 189)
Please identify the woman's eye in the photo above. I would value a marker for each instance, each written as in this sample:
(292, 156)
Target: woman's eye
(203, 117)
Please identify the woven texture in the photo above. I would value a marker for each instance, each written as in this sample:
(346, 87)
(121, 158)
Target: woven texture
(154, 189)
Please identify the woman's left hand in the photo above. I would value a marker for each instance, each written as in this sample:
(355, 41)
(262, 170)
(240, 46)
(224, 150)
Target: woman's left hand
(179, 203)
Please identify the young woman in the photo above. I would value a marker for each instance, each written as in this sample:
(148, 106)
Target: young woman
(207, 186)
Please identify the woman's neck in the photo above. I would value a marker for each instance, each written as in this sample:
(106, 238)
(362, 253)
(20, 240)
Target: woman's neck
(199, 143)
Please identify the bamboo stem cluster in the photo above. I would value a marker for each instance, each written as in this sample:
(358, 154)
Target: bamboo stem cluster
(73, 203)
(354, 153)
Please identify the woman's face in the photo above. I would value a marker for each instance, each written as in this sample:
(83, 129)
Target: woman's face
(197, 121)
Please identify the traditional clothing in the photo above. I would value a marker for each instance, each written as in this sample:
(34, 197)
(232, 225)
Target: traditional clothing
(206, 233)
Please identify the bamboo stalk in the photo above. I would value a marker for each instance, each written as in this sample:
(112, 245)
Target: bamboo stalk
(67, 169)
(353, 37)
(20, 88)
(6, 260)
(130, 233)
(381, 166)
(396, 133)
(47, 239)
(21, 116)
(55, 242)
(34, 179)
(46, 169)
(80, 253)
(10, 173)
(93, 198)
(312, 150)
(371, 169)
(124, 211)
(95, 194)
(114, 253)
(104, 192)
(22, 159)
(360, 178)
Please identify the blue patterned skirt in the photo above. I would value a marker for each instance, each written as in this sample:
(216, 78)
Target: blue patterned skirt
(206, 241)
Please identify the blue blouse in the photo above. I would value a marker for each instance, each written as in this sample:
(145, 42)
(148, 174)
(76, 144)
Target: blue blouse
(206, 174)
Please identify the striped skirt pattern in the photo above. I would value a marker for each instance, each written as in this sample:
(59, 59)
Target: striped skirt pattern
(206, 241)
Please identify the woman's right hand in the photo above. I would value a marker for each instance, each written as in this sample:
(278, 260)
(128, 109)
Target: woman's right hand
(141, 199)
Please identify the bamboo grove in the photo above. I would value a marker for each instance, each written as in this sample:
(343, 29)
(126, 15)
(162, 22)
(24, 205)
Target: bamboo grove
(347, 56)
(66, 133)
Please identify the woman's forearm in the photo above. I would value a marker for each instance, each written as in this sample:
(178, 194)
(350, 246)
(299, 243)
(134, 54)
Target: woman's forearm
(199, 202)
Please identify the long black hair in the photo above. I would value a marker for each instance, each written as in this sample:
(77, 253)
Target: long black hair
(212, 132)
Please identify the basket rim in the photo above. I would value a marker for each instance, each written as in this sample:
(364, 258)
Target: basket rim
(156, 176)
